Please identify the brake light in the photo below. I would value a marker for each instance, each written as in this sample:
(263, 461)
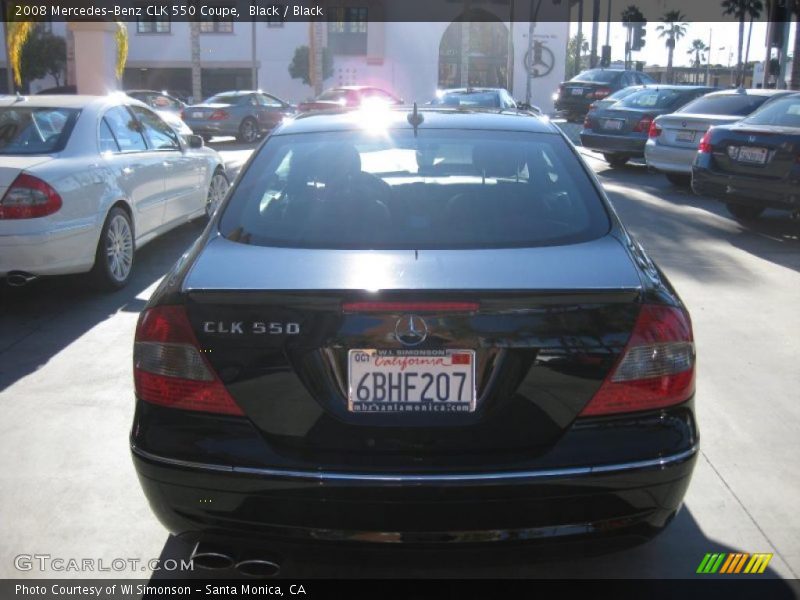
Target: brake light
(587, 122)
(395, 307)
(644, 124)
(656, 369)
(29, 197)
(705, 146)
(218, 115)
(654, 130)
(601, 93)
(169, 369)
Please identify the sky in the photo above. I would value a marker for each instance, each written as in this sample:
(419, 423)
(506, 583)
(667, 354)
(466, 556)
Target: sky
(724, 42)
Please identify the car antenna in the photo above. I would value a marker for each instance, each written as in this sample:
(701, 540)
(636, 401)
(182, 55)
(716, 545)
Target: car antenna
(415, 119)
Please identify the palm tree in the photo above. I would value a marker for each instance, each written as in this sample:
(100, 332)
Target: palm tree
(673, 29)
(741, 9)
(794, 81)
(698, 49)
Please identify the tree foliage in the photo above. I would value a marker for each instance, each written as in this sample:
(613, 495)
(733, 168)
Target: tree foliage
(42, 54)
(577, 47)
(298, 68)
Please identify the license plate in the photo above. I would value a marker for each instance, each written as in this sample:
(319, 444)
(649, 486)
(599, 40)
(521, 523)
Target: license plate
(198, 114)
(576, 91)
(685, 136)
(411, 381)
(613, 124)
(752, 155)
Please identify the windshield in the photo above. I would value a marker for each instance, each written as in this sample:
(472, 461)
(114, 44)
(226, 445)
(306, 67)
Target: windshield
(784, 112)
(31, 130)
(441, 189)
(725, 104)
(597, 76)
(489, 99)
(623, 93)
(653, 98)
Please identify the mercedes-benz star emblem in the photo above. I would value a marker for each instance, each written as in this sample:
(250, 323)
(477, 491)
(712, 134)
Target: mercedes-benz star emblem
(411, 330)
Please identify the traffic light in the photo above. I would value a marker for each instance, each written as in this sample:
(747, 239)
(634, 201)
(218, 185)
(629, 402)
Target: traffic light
(639, 32)
(605, 58)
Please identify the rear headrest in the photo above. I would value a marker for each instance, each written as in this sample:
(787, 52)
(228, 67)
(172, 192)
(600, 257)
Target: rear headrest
(327, 163)
(497, 159)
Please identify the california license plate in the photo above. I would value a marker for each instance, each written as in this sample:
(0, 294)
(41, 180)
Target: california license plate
(576, 91)
(685, 136)
(752, 155)
(613, 124)
(411, 381)
(198, 114)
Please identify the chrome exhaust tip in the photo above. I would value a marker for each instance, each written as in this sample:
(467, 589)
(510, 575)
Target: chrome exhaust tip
(19, 278)
(205, 557)
(258, 567)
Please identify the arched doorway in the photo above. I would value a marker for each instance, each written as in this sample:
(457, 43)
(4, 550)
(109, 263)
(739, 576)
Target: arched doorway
(474, 52)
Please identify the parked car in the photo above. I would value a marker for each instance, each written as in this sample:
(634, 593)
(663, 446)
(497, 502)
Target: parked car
(349, 340)
(474, 98)
(574, 96)
(620, 131)
(753, 164)
(245, 114)
(673, 138)
(86, 180)
(160, 101)
(349, 96)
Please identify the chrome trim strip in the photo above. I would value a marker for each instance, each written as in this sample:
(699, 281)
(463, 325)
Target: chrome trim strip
(656, 463)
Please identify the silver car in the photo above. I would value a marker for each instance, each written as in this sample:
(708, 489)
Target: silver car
(86, 180)
(673, 138)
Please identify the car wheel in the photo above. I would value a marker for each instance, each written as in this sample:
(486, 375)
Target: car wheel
(679, 179)
(113, 262)
(616, 160)
(216, 191)
(248, 131)
(744, 212)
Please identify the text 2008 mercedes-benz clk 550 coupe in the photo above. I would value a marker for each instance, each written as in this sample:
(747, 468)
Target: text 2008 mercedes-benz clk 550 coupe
(420, 327)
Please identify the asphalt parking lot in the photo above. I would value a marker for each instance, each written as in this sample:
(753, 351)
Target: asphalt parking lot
(68, 488)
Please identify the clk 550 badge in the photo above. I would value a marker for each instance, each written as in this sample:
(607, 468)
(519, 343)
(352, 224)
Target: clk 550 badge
(256, 328)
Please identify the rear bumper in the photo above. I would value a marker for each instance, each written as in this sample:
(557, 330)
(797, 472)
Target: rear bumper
(220, 500)
(66, 250)
(746, 190)
(613, 143)
(669, 159)
(213, 127)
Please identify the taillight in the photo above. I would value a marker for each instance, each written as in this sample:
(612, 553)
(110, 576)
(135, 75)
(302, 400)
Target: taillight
(587, 122)
(705, 146)
(169, 368)
(29, 197)
(654, 130)
(218, 115)
(657, 367)
(183, 115)
(601, 93)
(395, 307)
(644, 124)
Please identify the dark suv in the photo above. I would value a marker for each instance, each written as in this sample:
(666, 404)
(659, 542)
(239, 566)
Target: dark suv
(574, 96)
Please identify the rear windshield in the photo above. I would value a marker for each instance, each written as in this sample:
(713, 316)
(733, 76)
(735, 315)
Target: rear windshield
(654, 98)
(226, 99)
(441, 189)
(726, 104)
(597, 75)
(32, 130)
(490, 99)
(624, 92)
(784, 112)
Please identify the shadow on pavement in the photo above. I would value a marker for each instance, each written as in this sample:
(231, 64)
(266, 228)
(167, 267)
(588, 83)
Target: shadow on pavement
(62, 309)
(675, 553)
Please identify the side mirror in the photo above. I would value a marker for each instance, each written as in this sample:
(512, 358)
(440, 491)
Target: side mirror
(195, 141)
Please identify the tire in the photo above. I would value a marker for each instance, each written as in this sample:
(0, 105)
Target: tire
(114, 258)
(217, 188)
(679, 179)
(248, 131)
(744, 212)
(616, 160)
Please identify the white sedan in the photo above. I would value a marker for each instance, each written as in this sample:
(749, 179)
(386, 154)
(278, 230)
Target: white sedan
(86, 180)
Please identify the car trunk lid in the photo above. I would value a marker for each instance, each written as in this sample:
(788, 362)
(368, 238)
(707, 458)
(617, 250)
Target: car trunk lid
(762, 151)
(686, 130)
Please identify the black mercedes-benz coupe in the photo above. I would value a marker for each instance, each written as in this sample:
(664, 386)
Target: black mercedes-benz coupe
(414, 327)
(753, 164)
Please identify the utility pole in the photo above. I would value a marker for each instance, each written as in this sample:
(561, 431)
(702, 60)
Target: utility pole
(708, 59)
(253, 66)
(578, 50)
(595, 26)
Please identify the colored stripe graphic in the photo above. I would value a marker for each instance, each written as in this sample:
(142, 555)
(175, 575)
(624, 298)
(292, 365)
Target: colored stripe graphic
(758, 563)
(724, 563)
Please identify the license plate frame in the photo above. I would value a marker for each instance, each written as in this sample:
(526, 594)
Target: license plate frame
(613, 124)
(685, 136)
(197, 114)
(409, 399)
(576, 91)
(753, 155)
